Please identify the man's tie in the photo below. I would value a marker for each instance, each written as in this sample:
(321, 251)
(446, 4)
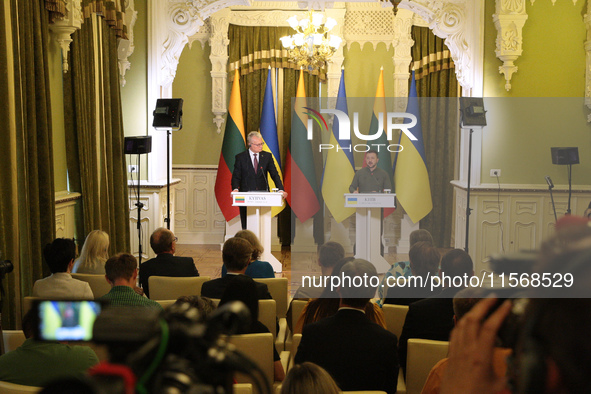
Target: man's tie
(256, 163)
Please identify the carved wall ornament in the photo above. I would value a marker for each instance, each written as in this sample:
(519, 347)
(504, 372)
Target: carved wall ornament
(63, 28)
(509, 19)
(450, 20)
(125, 47)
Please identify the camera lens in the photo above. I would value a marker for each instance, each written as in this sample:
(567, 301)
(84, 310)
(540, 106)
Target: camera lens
(6, 267)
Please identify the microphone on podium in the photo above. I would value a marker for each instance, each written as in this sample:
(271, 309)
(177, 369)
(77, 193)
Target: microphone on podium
(264, 177)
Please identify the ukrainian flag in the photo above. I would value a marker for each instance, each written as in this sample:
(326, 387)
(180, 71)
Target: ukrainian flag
(268, 129)
(340, 167)
(410, 173)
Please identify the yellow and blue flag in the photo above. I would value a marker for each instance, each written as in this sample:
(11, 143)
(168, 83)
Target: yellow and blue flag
(268, 129)
(340, 166)
(410, 168)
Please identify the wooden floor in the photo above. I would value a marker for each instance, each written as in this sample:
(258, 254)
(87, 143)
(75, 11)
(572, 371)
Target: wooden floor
(208, 259)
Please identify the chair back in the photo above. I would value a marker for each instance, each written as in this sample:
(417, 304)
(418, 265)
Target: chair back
(395, 316)
(259, 349)
(13, 388)
(165, 303)
(278, 289)
(266, 314)
(422, 355)
(242, 388)
(172, 287)
(98, 283)
(12, 339)
(295, 342)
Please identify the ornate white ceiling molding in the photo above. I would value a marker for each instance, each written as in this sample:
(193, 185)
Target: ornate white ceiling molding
(368, 23)
(63, 29)
(125, 47)
(587, 20)
(451, 20)
(509, 18)
(184, 19)
(553, 2)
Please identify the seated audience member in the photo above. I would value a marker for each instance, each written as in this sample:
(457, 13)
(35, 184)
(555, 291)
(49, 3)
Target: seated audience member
(163, 243)
(463, 301)
(59, 256)
(402, 268)
(329, 254)
(328, 304)
(424, 262)
(236, 255)
(36, 363)
(432, 318)
(256, 268)
(357, 353)
(95, 253)
(308, 378)
(121, 273)
(553, 350)
(204, 305)
(243, 288)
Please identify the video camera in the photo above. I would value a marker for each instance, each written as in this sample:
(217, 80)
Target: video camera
(176, 350)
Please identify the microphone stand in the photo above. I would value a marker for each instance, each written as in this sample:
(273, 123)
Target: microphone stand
(468, 209)
(550, 187)
(570, 169)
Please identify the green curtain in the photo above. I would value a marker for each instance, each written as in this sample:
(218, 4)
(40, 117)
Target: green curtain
(94, 135)
(435, 77)
(27, 196)
(255, 48)
(252, 50)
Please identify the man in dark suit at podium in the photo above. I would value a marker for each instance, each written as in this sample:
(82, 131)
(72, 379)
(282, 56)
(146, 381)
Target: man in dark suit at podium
(163, 243)
(251, 168)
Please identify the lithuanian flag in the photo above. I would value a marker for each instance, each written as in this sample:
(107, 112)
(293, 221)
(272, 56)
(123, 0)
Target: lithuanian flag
(300, 176)
(234, 143)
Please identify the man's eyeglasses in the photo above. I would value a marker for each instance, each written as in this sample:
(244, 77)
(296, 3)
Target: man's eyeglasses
(261, 144)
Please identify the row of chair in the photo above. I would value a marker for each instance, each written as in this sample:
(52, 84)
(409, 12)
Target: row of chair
(171, 288)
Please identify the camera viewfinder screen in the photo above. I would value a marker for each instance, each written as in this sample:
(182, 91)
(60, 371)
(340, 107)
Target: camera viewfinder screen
(67, 320)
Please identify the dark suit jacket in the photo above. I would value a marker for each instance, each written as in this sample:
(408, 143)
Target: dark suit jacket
(357, 353)
(431, 318)
(244, 178)
(165, 264)
(215, 288)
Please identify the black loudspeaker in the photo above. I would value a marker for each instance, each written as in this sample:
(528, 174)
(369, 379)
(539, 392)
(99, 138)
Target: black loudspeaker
(565, 155)
(138, 145)
(168, 113)
(473, 113)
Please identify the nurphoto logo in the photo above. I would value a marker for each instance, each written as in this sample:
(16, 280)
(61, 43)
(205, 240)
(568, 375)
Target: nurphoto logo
(392, 123)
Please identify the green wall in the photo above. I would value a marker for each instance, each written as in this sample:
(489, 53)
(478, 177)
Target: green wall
(134, 95)
(544, 108)
(56, 93)
(198, 141)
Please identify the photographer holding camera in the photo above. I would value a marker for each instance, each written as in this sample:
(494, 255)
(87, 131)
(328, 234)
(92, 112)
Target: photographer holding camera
(553, 353)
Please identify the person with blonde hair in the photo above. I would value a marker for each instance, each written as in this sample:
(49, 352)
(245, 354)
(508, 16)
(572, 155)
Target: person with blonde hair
(95, 253)
(256, 268)
(309, 378)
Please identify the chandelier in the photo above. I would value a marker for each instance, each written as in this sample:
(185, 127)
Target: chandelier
(311, 46)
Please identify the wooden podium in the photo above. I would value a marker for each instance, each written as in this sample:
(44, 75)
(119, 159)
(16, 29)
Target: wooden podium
(258, 218)
(368, 234)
